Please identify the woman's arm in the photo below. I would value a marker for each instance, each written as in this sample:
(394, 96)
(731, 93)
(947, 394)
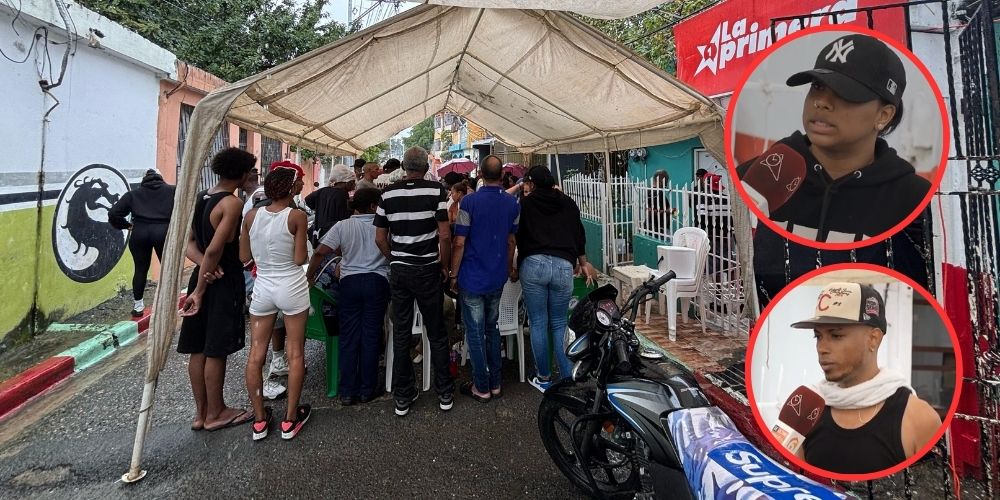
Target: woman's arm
(246, 254)
(120, 210)
(298, 221)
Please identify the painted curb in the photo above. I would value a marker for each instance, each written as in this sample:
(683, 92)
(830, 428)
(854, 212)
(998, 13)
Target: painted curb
(102, 345)
(32, 382)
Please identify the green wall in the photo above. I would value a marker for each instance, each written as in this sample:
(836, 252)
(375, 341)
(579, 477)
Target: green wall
(58, 296)
(644, 249)
(677, 159)
(595, 247)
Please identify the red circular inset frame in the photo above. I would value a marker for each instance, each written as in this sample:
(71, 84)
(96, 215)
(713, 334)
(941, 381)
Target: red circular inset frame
(938, 175)
(748, 368)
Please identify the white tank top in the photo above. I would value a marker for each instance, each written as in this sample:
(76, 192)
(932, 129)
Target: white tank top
(273, 245)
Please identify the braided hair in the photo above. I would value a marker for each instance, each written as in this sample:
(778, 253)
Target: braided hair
(278, 183)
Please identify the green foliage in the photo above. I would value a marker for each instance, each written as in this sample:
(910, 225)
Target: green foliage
(378, 152)
(422, 134)
(649, 34)
(232, 39)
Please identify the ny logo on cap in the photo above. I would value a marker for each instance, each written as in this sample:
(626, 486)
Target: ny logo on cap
(891, 86)
(839, 51)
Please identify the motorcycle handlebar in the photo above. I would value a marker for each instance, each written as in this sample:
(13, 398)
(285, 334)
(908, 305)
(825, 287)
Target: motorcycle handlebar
(622, 362)
(667, 276)
(649, 287)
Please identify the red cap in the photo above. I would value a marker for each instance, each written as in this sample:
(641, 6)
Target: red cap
(287, 164)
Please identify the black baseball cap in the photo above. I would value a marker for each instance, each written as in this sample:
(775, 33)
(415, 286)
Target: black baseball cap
(859, 68)
(845, 303)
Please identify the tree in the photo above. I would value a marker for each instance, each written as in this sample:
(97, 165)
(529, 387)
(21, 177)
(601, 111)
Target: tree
(232, 39)
(378, 152)
(649, 34)
(422, 134)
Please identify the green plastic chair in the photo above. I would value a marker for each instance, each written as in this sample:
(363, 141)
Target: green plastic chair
(316, 330)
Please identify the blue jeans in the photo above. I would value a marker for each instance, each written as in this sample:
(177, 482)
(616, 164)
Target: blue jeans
(480, 313)
(547, 282)
(364, 299)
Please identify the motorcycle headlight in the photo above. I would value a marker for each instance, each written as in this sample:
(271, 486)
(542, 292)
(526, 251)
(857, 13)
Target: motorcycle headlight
(578, 346)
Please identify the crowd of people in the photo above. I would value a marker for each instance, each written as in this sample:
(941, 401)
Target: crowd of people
(413, 243)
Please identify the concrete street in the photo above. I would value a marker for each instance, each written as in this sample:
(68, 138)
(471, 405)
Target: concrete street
(76, 442)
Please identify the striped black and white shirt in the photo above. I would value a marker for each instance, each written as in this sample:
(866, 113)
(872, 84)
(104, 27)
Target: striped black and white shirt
(411, 210)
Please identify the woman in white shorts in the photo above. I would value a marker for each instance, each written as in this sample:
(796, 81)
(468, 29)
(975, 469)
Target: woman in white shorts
(274, 237)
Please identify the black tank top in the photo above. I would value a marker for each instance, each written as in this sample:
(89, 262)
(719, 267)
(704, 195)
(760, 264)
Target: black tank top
(204, 232)
(875, 446)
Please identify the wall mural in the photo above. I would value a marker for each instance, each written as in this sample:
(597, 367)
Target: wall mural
(86, 247)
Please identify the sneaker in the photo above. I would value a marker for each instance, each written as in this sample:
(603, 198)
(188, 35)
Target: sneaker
(261, 427)
(273, 389)
(540, 384)
(279, 364)
(137, 313)
(446, 401)
(289, 428)
(402, 408)
(419, 358)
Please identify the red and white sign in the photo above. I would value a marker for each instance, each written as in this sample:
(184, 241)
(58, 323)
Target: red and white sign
(716, 47)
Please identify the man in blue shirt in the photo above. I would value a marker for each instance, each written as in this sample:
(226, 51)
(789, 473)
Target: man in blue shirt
(482, 260)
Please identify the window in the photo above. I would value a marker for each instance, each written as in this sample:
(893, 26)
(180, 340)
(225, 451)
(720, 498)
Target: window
(243, 139)
(270, 152)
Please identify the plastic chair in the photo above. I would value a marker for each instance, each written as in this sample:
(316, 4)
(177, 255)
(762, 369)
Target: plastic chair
(686, 257)
(509, 324)
(417, 329)
(316, 330)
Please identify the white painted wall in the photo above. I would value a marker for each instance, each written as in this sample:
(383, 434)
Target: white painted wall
(785, 358)
(108, 99)
(768, 108)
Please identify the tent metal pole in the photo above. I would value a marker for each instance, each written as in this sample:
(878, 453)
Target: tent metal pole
(608, 230)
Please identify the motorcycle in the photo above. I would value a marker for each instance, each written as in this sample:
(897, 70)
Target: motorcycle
(623, 425)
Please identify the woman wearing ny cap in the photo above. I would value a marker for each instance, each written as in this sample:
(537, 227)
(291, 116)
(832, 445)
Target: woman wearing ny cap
(873, 420)
(854, 186)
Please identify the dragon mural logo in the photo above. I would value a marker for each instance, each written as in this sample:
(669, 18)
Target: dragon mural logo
(86, 247)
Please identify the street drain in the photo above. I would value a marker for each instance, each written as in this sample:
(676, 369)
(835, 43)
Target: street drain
(42, 477)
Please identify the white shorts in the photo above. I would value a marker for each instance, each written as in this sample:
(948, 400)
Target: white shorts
(288, 296)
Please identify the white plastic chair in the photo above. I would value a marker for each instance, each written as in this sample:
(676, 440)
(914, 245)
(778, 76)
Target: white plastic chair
(509, 324)
(417, 329)
(686, 257)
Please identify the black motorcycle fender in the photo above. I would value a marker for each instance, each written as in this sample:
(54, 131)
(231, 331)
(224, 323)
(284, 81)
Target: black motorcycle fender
(642, 403)
(569, 394)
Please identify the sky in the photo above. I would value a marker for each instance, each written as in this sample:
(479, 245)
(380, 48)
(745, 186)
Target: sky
(338, 10)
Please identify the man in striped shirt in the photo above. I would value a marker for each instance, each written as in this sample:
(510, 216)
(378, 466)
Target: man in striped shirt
(412, 232)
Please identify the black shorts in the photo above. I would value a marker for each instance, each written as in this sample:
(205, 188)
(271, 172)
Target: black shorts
(219, 328)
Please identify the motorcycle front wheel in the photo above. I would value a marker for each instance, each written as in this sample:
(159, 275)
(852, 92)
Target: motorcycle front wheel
(611, 460)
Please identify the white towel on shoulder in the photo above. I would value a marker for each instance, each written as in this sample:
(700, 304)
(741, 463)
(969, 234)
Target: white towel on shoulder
(863, 395)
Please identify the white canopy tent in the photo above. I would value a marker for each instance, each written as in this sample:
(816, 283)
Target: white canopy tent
(539, 80)
(603, 9)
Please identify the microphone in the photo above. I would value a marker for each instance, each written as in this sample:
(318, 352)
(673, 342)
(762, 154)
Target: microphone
(774, 176)
(799, 415)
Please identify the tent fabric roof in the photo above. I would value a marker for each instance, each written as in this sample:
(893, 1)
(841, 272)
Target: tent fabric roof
(538, 80)
(603, 9)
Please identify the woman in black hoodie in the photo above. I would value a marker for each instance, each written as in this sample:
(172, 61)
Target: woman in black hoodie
(550, 249)
(854, 185)
(150, 206)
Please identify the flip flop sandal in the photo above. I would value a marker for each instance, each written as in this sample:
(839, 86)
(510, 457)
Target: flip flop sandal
(466, 389)
(247, 416)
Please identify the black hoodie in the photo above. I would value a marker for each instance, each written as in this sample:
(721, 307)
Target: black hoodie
(550, 225)
(863, 204)
(150, 203)
(884, 194)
